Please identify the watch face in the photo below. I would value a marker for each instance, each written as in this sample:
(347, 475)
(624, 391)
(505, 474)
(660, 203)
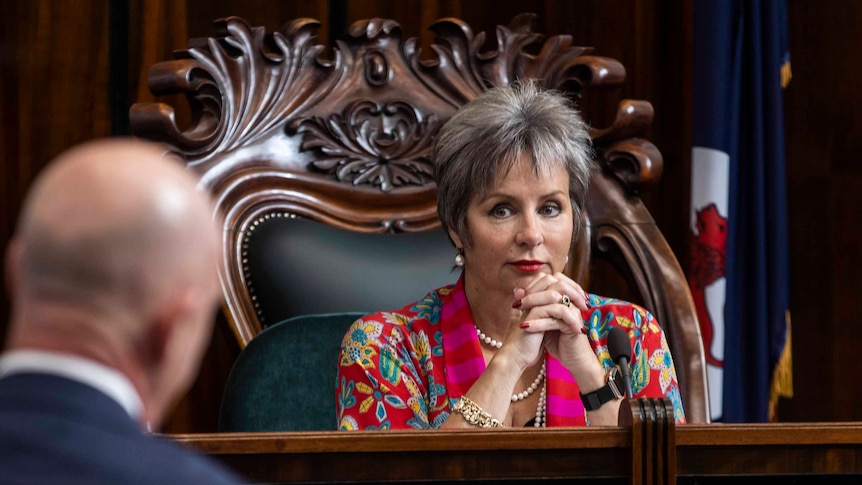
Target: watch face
(618, 383)
(613, 389)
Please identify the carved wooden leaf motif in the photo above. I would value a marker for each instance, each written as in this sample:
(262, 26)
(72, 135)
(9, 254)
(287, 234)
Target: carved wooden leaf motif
(277, 77)
(369, 143)
(461, 67)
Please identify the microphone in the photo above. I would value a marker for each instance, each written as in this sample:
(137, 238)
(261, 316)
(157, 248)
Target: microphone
(621, 352)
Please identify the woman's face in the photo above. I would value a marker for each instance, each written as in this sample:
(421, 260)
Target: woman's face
(520, 228)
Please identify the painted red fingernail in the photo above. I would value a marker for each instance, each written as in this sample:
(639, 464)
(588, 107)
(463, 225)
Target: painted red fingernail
(525, 325)
(517, 304)
(584, 330)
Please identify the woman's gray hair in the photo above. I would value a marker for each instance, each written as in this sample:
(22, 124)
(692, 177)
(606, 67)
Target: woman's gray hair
(485, 138)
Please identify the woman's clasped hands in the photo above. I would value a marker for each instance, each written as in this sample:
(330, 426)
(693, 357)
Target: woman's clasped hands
(551, 306)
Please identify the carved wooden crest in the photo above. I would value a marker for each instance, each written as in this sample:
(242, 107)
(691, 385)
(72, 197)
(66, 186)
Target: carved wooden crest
(382, 145)
(366, 115)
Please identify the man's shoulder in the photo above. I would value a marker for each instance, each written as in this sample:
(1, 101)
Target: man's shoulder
(97, 456)
(92, 441)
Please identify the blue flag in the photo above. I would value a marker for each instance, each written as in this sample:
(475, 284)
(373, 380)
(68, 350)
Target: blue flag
(739, 273)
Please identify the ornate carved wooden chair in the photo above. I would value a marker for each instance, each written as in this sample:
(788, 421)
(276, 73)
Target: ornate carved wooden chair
(320, 167)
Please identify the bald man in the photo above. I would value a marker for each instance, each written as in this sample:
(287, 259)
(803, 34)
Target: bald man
(112, 274)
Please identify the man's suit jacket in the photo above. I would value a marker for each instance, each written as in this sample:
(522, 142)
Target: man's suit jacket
(58, 431)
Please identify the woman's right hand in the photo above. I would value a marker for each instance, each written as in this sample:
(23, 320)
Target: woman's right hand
(560, 324)
(526, 348)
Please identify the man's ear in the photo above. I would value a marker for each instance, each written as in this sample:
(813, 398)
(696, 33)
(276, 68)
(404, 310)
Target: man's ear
(165, 324)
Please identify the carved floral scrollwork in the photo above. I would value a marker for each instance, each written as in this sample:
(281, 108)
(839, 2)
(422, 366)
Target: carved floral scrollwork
(460, 66)
(246, 87)
(384, 145)
(253, 82)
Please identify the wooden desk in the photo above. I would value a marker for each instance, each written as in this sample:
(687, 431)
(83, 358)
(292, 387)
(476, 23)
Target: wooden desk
(775, 449)
(433, 455)
(645, 450)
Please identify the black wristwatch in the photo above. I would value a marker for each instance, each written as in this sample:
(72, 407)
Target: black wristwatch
(612, 390)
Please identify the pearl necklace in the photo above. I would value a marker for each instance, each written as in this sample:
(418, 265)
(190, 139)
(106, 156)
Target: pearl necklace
(488, 340)
(532, 388)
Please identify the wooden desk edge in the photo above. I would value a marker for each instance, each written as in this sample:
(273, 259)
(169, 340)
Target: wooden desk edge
(405, 441)
(755, 434)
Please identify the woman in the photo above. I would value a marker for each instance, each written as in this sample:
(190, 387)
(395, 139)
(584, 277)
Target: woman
(515, 342)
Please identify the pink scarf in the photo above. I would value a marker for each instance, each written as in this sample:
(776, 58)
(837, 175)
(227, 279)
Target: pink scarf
(464, 363)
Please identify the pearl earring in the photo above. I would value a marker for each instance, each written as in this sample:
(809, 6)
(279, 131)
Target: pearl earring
(459, 258)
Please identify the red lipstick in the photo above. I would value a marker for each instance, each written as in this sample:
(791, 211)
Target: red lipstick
(528, 266)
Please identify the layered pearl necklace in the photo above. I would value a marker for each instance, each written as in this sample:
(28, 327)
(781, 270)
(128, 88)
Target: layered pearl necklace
(541, 409)
(533, 386)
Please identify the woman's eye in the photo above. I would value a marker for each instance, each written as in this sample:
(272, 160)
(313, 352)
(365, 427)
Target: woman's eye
(551, 210)
(501, 211)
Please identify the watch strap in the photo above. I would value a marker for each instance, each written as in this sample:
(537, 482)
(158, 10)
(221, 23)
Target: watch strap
(611, 390)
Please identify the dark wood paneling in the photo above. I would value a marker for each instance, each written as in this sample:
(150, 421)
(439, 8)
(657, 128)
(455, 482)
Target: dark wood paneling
(9, 106)
(824, 138)
(54, 90)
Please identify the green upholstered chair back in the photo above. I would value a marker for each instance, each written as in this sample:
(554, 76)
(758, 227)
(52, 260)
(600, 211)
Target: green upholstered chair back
(297, 266)
(284, 379)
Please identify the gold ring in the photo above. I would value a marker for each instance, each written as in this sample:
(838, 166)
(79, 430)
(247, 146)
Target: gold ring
(565, 300)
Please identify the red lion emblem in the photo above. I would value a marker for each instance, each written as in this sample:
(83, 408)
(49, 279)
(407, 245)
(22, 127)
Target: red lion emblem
(708, 256)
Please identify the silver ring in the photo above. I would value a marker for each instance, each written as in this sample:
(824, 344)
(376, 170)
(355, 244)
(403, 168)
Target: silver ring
(565, 300)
